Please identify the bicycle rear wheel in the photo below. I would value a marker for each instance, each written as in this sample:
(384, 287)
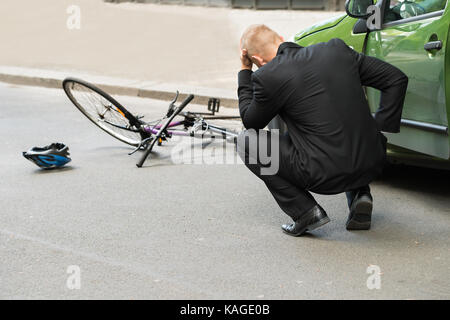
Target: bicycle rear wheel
(104, 111)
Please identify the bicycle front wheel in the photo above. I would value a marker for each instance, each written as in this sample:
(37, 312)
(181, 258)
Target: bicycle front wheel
(104, 111)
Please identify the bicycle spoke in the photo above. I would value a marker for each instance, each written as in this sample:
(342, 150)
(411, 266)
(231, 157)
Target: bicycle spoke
(104, 113)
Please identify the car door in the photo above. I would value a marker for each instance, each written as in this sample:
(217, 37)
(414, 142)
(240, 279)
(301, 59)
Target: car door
(410, 39)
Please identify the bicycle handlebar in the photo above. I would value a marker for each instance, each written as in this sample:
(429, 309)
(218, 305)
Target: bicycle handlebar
(163, 128)
(185, 103)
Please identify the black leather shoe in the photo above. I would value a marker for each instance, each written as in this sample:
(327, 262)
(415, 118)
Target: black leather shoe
(313, 219)
(360, 212)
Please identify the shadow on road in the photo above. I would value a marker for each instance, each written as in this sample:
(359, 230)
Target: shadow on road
(55, 170)
(429, 181)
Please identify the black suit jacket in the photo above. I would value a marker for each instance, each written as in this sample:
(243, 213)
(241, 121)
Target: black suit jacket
(318, 92)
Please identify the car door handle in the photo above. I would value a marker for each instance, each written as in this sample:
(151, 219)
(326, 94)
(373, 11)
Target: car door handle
(433, 45)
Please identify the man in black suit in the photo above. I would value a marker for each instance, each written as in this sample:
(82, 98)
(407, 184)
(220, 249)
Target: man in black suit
(334, 144)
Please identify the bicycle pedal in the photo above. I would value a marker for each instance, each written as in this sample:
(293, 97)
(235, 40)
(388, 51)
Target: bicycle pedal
(213, 105)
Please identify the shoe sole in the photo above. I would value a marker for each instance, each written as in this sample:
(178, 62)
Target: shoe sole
(362, 216)
(311, 227)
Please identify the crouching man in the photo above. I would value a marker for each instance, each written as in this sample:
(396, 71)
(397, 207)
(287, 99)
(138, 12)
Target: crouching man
(334, 144)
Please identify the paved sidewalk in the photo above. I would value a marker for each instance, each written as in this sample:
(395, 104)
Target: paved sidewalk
(154, 45)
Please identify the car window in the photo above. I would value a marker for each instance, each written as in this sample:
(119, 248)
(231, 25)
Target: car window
(404, 9)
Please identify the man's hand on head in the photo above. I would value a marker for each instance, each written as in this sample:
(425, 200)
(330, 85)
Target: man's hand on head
(247, 64)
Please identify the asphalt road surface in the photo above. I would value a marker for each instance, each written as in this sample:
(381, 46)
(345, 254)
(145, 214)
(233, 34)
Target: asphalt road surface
(208, 231)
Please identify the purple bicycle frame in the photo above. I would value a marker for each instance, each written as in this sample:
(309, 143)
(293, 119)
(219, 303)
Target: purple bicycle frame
(154, 130)
(220, 131)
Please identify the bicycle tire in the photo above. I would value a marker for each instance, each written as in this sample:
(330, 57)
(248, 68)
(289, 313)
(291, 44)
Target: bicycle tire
(122, 125)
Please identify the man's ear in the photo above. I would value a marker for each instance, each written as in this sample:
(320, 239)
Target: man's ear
(282, 38)
(260, 60)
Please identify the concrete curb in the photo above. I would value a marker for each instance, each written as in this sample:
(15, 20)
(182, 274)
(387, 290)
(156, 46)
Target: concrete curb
(50, 79)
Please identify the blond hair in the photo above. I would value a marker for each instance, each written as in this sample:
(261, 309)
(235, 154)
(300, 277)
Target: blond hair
(259, 39)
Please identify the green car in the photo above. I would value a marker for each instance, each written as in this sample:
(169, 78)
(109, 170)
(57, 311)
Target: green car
(413, 36)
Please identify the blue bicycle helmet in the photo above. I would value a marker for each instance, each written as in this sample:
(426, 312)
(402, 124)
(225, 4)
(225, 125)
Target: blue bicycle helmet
(52, 156)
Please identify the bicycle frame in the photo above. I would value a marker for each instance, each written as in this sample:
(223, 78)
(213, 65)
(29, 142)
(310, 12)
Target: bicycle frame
(196, 121)
(212, 128)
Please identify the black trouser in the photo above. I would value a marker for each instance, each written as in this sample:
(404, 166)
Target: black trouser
(287, 185)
